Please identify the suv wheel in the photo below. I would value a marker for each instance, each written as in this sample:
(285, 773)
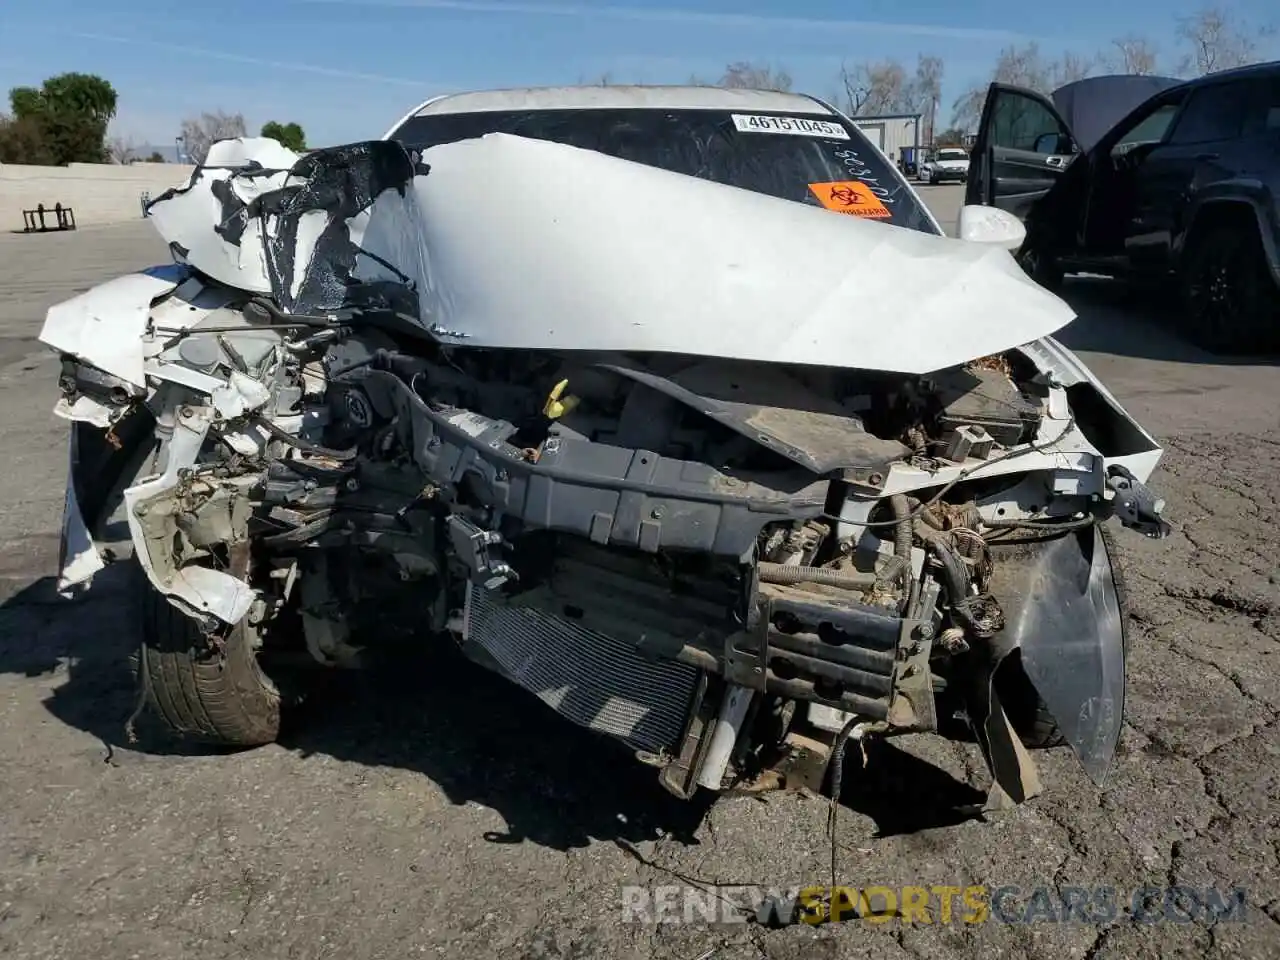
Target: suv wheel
(1230, 301)
(1043, 268)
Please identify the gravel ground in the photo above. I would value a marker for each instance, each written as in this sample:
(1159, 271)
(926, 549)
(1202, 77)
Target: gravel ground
(429, 813)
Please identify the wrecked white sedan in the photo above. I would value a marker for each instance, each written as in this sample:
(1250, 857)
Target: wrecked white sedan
(611, 386)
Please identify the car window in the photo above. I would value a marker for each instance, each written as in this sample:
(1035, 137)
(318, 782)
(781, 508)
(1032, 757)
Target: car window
(1215, 112)
(1020, 122)
(1263, 116)
(815, 159)
(1150, 129)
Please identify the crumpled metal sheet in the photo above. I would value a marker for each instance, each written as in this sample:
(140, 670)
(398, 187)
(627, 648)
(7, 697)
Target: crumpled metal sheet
(263, 219)
(510, 242)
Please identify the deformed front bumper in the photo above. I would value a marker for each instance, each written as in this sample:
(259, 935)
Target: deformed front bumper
(613, 650)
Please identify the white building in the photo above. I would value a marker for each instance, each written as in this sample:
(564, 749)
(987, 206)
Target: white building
(891, 133)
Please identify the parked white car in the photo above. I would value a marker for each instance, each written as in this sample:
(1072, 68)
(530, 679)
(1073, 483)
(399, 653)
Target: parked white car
(949, 163)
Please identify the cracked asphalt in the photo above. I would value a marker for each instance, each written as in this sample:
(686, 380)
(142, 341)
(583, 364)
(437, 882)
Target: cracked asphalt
(432, 813)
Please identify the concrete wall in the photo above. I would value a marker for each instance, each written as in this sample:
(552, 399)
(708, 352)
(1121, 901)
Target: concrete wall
(98, 193)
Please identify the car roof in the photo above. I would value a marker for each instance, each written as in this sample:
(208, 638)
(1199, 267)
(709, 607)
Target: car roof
(1236, 73)
(602, 97)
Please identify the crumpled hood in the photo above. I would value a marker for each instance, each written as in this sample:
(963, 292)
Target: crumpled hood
(509, 242)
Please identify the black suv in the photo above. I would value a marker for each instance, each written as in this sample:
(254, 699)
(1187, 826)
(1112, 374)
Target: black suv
(1185, 186)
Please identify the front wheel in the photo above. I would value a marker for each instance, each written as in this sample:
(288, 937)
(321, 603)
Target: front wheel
(209, 687)
(1230, 301)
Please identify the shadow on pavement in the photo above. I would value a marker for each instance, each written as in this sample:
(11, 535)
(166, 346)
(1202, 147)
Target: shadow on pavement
(482, 739)
(92, 641)
(475, 735)
(903, 793)
(471, 732)
(1114, 318)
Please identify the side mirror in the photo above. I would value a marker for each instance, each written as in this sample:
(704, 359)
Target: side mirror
(981, 224)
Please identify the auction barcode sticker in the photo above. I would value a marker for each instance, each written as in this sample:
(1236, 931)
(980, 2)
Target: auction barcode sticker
(800, 126)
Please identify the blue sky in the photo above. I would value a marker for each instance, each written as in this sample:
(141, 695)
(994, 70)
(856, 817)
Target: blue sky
(347, 69)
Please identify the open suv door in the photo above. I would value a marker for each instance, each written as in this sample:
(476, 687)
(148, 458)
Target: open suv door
(1023, 147)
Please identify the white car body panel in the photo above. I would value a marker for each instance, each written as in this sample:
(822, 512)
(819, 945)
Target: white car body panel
(633, 258)
(106, 323)
(597, 253)
(184, 215)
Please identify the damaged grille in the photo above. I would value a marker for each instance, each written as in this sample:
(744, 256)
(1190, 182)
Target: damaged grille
(597, 681)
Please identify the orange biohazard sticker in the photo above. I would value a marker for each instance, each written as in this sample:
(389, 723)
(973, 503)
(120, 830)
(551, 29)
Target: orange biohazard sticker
(850, 196)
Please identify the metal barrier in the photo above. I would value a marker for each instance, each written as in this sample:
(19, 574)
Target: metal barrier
(33, 221)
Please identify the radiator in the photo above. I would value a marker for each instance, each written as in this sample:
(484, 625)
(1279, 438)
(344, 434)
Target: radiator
(597, 681)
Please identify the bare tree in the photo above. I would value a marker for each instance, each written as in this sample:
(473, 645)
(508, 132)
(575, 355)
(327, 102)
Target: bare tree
(885, 87)
(1070, 68)
(754, 76)
(927, 89)
(1131, 54)
(122, 149)
(1023, 66)
(871, 89)
(198, 135)
(1218, 42)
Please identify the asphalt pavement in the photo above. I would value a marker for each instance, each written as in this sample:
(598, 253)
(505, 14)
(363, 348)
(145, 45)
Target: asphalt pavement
(443, 813)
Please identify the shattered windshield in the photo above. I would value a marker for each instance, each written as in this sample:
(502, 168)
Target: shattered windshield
(811, 158)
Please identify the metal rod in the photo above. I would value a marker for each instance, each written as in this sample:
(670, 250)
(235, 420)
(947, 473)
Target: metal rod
(737, 700)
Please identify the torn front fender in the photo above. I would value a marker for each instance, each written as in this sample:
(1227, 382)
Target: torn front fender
(1063, 613)
(104, 326)
(100, 465)
(78, 555)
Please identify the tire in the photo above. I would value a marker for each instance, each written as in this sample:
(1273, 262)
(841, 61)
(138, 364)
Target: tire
(1043, 268)
(1028, 714)
(207, 689)
(1230, 301)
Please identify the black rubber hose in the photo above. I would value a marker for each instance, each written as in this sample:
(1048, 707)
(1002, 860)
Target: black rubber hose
(953, 572)
(900, 508)
(899, 566)
(979, 615)
(305, 446)
(262, 310)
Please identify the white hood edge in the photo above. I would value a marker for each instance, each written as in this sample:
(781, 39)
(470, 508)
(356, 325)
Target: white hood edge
(519, 243)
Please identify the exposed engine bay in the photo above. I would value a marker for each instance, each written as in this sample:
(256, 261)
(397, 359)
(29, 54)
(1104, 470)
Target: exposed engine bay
(689, 554)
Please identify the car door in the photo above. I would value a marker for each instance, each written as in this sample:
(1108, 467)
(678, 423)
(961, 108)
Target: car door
(1133, 175)
(1201, 147)
(1022, 149)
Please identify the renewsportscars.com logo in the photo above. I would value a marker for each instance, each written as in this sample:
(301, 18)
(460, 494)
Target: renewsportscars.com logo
(940, 904)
